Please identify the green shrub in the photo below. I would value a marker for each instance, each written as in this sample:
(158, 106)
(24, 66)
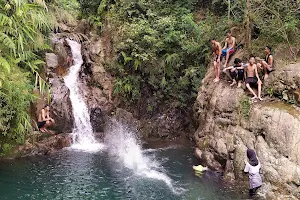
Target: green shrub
(244, 107)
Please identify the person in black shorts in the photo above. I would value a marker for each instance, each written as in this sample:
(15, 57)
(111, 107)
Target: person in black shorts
(236, 72)
(267, 65)
(44, 119)
(252, 78)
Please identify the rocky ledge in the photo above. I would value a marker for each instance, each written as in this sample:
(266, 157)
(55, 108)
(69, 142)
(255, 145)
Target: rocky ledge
(229, 123)
(39, 144)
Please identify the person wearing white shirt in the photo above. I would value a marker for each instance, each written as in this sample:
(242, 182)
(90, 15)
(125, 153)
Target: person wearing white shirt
(252, 168)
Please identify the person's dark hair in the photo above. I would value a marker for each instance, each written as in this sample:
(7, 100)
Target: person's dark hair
(252, 157)
(251, 56)
(228, 31)
(269, 48)
(211, 39)
(46, 105)
(237, 60)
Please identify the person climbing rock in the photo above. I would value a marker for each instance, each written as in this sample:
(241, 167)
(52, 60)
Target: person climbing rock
(252, 168)
(236, 72)
(217, 51)
(229, 47)
(267, 64)
(44, 119)
(252, 78)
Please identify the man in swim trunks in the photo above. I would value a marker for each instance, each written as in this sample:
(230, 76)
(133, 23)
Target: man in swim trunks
(267, 64)
(236, 72)
(217, 50)
(252, 78)
(44, 119)
(229, 46)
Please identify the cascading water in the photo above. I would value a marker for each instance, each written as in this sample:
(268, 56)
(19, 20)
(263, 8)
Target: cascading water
(122, 142)
(83, 137)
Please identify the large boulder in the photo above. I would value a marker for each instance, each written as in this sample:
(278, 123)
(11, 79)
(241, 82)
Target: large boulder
(229, 123)
(285, 83)
(43, 146)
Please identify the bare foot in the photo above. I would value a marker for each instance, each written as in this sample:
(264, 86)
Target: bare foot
(239, 85)
(233, 83)
(216, 80)
(253, 98)
(46, 130)
(42, 130)
(260, 98)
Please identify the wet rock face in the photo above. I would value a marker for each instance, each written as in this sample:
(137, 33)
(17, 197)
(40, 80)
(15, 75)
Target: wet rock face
(46, 146)
(95, 83)
(169, 123)
(98, 120)
(271, 128)
(57, 66)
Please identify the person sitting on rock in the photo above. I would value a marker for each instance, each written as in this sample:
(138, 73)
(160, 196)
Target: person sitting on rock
(217, 50)
(267, 64)
(44, 119)
(236, 72)
(252, 78)
(228, 48)
(252, 168)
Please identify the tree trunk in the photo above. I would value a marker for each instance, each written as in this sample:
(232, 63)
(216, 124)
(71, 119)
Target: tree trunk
(248, 25)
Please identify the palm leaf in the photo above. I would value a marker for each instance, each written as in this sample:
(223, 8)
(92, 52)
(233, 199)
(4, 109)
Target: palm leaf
(5, 20)
(4, 64)
(7, 41)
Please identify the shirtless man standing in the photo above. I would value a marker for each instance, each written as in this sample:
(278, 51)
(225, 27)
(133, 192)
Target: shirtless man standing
(44, 119)
(229, 46)
(267, 64)
(252, 78)
(217, 50)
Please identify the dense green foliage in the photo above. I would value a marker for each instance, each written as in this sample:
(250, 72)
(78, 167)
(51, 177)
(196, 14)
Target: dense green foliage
(159, 47)
(162, 46)
(23, 26)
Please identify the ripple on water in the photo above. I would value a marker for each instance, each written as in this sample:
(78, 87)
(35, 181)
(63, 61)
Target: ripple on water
(81, 175)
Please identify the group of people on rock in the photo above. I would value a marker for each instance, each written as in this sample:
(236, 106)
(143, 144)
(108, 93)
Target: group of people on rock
(241, 72)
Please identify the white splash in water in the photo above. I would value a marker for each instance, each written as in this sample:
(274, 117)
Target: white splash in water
(124, 144)
(83, 137)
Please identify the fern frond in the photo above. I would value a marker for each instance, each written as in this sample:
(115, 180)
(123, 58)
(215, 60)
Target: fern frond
(4, 64)
(7, 41)
(5, 20)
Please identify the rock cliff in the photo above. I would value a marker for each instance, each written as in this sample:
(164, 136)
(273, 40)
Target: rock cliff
(95, 83)
(229, 123)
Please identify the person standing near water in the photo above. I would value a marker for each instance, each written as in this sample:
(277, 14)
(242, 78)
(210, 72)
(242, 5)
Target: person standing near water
(44, 119)
(252, 168)
(217, 50)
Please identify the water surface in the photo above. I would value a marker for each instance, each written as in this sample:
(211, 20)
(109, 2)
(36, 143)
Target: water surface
(73, 174)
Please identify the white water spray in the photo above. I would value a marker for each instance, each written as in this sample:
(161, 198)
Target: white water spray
(124, 145)
(83, 137)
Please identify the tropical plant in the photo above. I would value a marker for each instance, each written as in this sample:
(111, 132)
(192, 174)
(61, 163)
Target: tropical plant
(23, 26)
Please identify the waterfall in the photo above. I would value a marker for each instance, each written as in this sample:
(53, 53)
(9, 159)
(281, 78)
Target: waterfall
(123, 143)
(83, 137)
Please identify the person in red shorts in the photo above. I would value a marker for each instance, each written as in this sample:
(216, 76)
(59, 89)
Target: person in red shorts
(229, 47)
